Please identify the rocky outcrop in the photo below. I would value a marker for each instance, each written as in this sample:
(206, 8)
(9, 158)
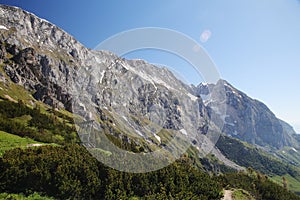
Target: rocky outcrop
(247, 119)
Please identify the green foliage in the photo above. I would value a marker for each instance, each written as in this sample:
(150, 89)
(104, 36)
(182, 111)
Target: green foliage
(259, 186)
(290, 155)
(241, 195)
(124, 143)
(257, 160)
(61, 172)
(21, 120)
(245, 156)
(9, 141)
(70, 172)
(14, 91)
(292, 183)
(175, 181)
(34, 196)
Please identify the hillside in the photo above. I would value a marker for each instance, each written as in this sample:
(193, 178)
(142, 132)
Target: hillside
(63, 105)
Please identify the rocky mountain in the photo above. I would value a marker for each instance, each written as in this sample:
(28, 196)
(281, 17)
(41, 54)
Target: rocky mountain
(138, 98)
(246, 118)
(128, 97)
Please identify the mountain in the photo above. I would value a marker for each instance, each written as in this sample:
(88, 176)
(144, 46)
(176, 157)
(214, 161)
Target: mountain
(48, 62)
(45, 74)
(60, 72)
(57, 69)
(246, 118)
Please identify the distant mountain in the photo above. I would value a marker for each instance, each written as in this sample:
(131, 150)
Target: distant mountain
(246, 119)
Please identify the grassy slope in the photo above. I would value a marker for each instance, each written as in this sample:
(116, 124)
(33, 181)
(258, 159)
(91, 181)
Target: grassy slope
(241, 195)
(293, 184)
(9, 141)
(34, 196)
(249, 156)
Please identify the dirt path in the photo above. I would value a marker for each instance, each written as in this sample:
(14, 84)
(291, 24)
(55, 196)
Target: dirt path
(34, 145)
(227, 195)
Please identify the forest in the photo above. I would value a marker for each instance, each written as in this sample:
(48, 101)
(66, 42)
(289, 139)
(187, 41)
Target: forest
(70, 172)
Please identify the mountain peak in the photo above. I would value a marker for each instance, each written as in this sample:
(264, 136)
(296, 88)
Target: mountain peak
(245, 118)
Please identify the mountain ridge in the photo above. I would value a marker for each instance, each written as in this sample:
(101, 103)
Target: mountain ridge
(47, 61)
(246, 118)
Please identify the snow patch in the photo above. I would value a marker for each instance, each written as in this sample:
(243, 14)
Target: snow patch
(157, 137)
(192, 97)
(236, 93)
(82, 106)
(183, 131)
(161, 82)
(152, 80)
(34, 145)
(230, 124)
(44, 20)
(144, 76)
(101, 76)
(3, 27)
(294, 149)
(226, 84)
(97, 59)
(125, 118)
(138, 132)
(126, 67)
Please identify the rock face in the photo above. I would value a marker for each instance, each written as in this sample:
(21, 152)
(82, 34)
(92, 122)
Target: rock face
(56, 69)
(43, 55)
(247, 119)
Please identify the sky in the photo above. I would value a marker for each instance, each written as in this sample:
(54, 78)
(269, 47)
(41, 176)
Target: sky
(255, 44)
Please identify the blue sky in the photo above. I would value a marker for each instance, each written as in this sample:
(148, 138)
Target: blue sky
(255, 44)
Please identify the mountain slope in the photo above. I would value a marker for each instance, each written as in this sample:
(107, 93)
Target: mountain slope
(138, 106)
(62, 73)
(247, 119)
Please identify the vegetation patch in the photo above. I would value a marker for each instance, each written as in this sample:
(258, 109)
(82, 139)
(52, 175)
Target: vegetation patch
(241, 195)
(292, 183)
(34, 196)
(70, 172)
(24, 121)
(9, 141)
(258, 186)
(234, 150)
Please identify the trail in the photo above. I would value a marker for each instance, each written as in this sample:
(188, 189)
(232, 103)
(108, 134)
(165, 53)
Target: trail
(227, 195)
